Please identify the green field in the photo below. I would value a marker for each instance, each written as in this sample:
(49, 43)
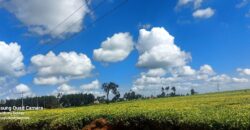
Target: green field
(228, 110)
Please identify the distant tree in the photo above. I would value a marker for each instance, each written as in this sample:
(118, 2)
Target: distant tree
(49, 102)
(77, 100)
(110, 87)
(192, 91)
(59, 96)
(163, 94)
(174, 91)
(2, 102)
(64, 101)
(89, 99)
(131, 95)
(53, 101)
(101, 99)
(117, 95)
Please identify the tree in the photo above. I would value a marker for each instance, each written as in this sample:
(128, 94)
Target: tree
(163, 94)
(116, 93)
(131, 95)
(53, 101)
(192, 91)
(117, 96)
(59, 95)
(174, 91)
(88, 98)
(101, 99)
(77, 99)
(107, 87)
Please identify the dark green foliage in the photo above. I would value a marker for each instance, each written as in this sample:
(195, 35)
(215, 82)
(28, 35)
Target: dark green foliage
(101, 99)
(174, 91)
(44, 101)
(192, 92)
(111, 87)
(131, 95)
(76, 100)
(53, 102)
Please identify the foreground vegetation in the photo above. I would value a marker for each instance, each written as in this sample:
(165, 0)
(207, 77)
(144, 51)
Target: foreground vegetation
(227, 110)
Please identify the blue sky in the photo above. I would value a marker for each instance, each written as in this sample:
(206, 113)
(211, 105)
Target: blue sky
(220, 40)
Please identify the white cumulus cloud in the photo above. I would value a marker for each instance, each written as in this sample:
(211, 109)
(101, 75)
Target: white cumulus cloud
(11, 60)
(223, 78)
(91, 86)
(184, 71)
(243, 71)
(51, 80)
(205, 72)
(42, 16)
(11, 66)
(167, 65)
(240, 80)
(57, 69)
(158, 50)
(243, 3)
(66, 89)
(23, 89)
(206, 69)
(155, 72)
(204, 13)
(195, 3)
(115, 48)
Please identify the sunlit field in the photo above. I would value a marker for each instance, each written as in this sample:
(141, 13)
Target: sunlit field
(227, 110)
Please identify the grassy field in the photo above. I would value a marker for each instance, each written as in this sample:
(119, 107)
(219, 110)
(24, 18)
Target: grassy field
(228, 110)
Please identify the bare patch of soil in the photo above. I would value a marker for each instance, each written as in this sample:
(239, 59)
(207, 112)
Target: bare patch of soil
(98, 124)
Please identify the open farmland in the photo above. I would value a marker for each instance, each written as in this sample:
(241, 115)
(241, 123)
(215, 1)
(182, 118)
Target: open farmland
(227, 110)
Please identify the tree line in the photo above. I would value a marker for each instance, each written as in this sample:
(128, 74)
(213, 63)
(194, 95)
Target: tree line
(82, 99)
(171, 92)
